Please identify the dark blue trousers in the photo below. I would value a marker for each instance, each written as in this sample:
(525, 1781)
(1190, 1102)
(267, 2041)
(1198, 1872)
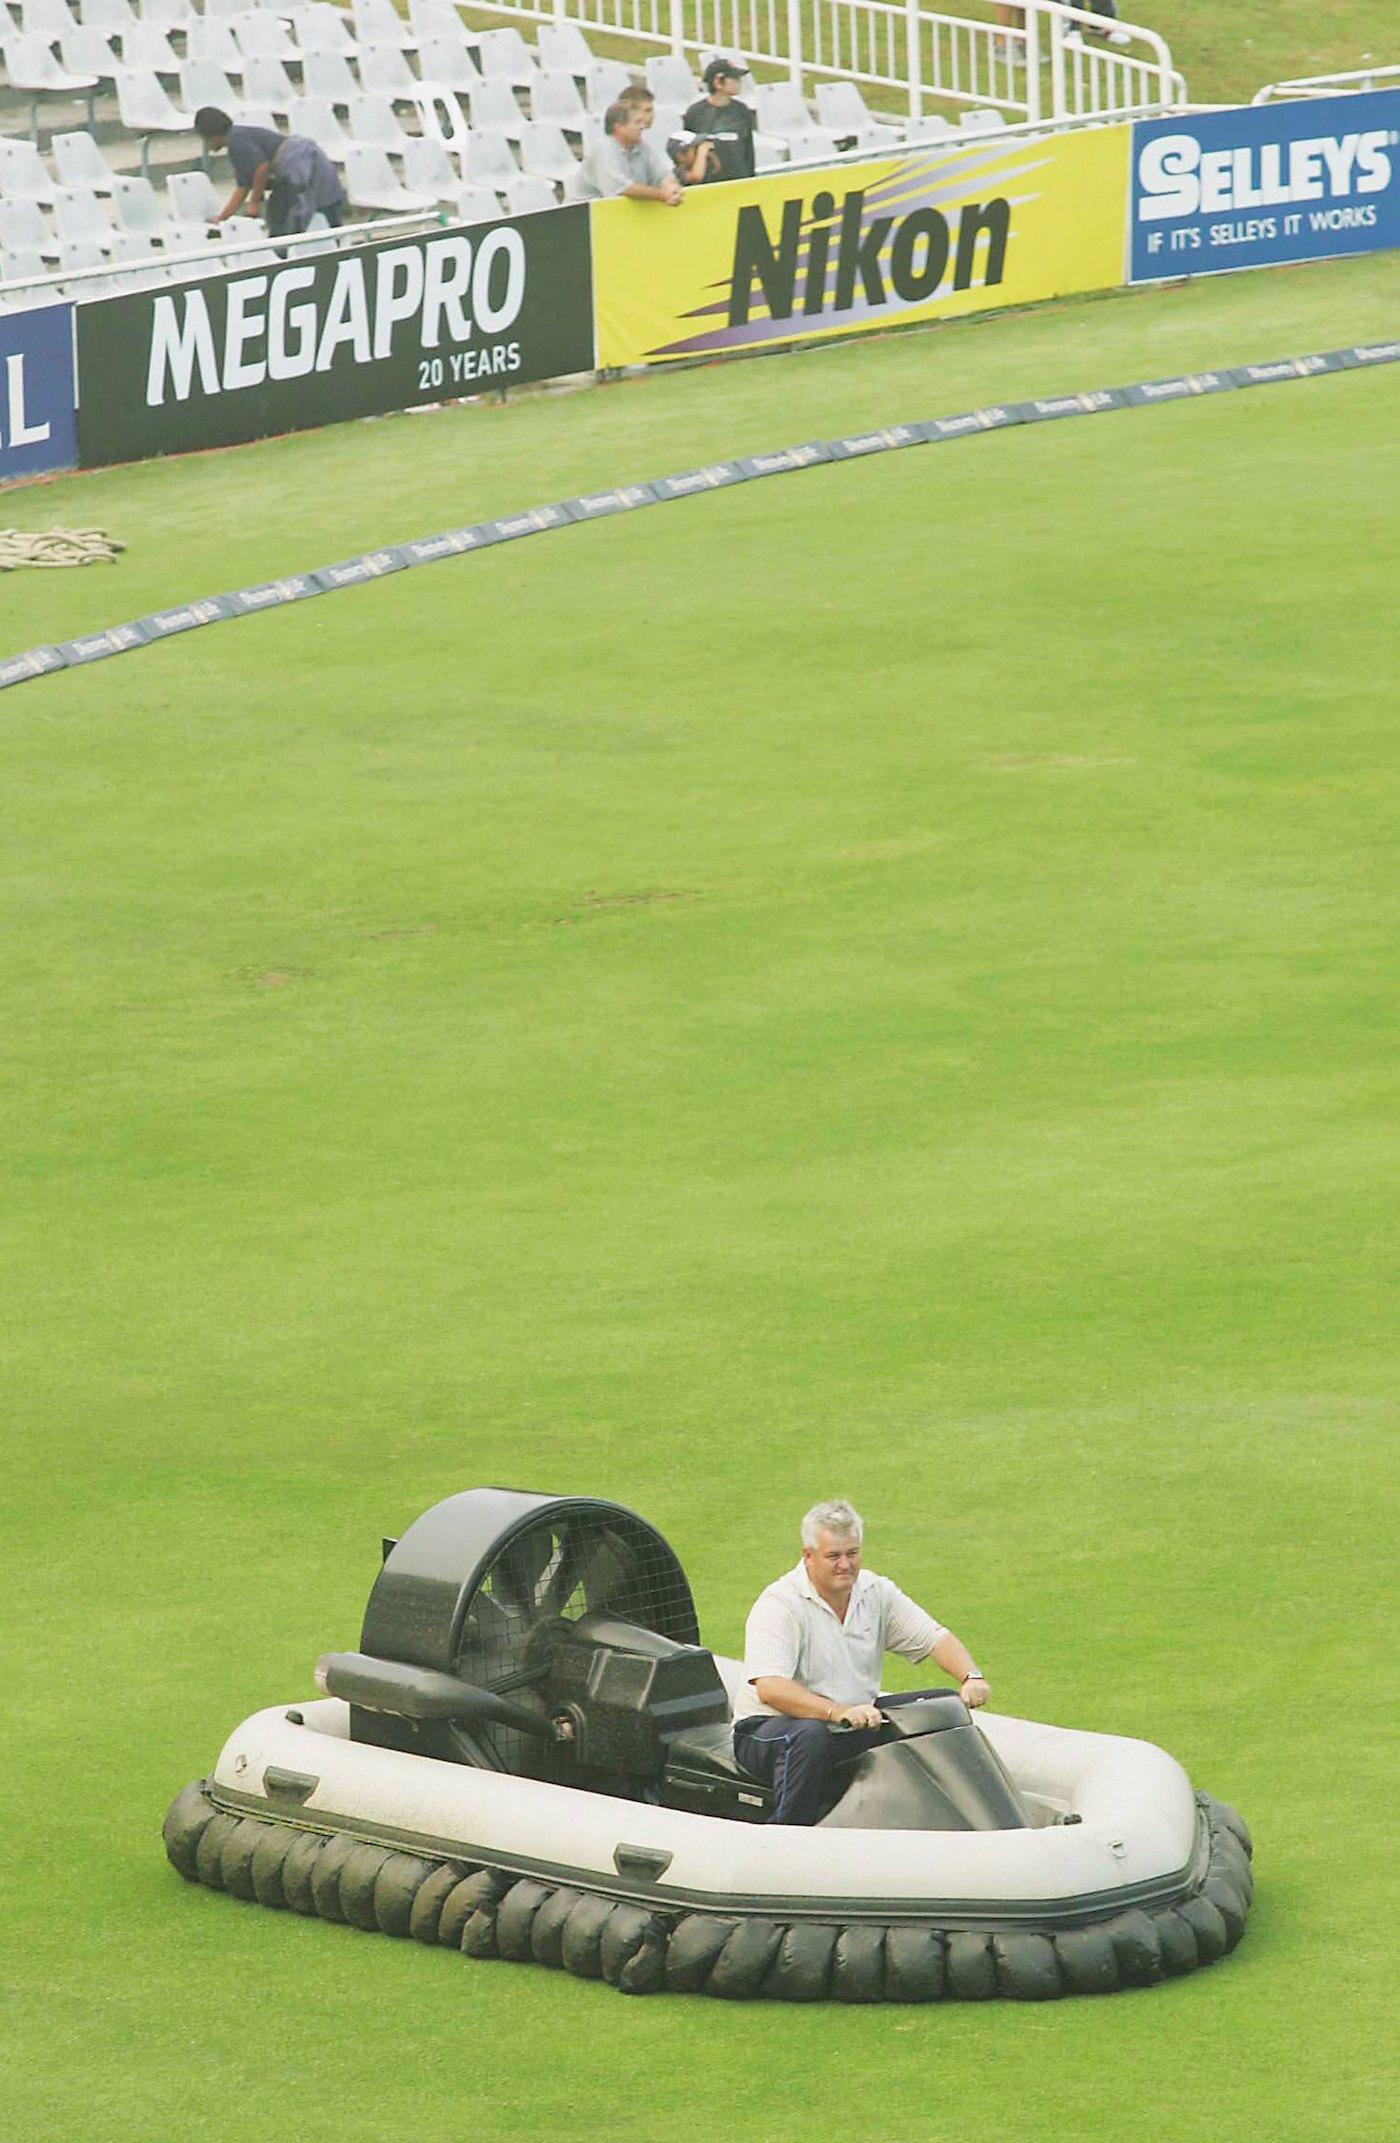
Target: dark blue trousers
(797, 1757)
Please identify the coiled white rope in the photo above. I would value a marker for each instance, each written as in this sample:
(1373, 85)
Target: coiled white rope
(56, 547)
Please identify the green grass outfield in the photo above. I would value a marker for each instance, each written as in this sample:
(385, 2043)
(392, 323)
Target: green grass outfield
(879, 981)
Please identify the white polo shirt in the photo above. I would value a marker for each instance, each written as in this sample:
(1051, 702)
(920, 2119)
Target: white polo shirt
(791, 1631)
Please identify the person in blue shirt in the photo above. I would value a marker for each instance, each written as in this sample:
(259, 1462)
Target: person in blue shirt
(290, 171)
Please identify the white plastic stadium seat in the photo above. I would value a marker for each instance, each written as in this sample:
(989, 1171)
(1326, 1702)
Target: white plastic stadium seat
(495, 110)
(210, 37)
(842, 110)
(563, 48)
(982, 120)
(48, 19)
(604, 83)
(24, 176)
(448, 62)
(670, 80)
(931, 126)
(204, 82)
(555, 97)
(434, 18)
(144, 106)
(489, 161)
(139, 207)
(24, 228)
(370, 183)
(147, 44)
(19, 268)
(428, 168)
(328, 75)
(194, 198)
(266, 82)
(378, 22)
(476, 204)
(262, 36)
(545, 153)
(108, 15)
(384, 72)
(31, 66)
(315, 117)
(175, 14)
(527, 194)
(323, 28)
(89, 51)
(505, 57)
(80, 161)
(373, 125)
(80, 253)
(80, 217)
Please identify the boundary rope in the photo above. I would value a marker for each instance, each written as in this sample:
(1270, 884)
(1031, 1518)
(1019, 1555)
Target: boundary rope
(626, 498)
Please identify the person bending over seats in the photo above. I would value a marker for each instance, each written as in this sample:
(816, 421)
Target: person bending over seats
(814, 1646)
(290, 171)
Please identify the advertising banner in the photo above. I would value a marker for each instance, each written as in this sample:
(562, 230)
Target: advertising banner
(1265, 183)
(284, 345)
(921, 234)
(38, 429)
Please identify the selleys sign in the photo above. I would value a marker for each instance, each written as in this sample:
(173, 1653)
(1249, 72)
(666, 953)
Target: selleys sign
(1276, 182)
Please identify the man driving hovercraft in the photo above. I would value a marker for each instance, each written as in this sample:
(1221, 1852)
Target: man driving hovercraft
(814, 1645)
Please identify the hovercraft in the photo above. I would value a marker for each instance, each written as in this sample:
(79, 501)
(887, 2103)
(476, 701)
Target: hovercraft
(531, 1757)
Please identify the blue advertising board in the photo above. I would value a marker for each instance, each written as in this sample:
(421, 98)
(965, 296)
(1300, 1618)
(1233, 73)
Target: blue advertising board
(1265, 183)
(38, 422)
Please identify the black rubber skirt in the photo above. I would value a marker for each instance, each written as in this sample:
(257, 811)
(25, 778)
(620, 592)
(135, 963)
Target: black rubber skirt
(486, 1912)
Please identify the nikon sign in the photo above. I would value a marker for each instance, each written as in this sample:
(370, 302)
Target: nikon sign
(348, 334)
(921, 234)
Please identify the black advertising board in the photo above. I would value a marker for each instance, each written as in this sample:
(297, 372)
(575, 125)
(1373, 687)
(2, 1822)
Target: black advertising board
(287, 344)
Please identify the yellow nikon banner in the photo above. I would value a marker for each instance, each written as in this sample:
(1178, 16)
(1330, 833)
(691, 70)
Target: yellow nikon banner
(922, 234)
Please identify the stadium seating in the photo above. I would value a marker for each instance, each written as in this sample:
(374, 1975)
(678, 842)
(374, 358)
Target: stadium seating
(80, 217)
(841, 109)
(476, 204)
(670, 80)
(23, 173)
(370, 182)
(315, 117)
(526, 194)
(266, 82)
(448, 61)
(563, 49)
(505, 57)
(428, 168)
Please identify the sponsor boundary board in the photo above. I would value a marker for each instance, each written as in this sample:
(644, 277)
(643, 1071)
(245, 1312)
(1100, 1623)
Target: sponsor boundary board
(629, 498)
(298, 343)
(1259, 185)
(38, 428)
(924, 233)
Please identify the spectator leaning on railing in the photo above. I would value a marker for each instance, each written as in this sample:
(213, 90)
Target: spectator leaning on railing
(297, 179)
(623, 163)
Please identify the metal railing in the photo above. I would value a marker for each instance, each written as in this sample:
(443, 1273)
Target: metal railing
(1052, 69)
(1329, 85)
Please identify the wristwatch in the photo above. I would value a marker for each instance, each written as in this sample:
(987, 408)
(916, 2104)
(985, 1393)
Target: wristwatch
(974, 1674)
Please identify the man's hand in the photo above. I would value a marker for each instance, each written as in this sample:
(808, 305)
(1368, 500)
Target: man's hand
(857, 1715)
(974, 1692)
(670, 191)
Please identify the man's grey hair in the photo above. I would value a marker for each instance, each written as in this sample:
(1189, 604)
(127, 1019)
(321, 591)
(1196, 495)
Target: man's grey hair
(838, 1517)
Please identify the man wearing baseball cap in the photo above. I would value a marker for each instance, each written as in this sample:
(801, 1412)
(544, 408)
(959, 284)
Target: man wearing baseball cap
(730, 124)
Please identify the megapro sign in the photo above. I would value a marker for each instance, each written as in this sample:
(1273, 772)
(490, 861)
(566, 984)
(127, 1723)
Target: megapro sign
(348, 334)
(37, 426)
(1274, 182)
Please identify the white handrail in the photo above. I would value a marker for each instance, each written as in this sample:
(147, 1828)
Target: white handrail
(1056, 67)
(1330, 85)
